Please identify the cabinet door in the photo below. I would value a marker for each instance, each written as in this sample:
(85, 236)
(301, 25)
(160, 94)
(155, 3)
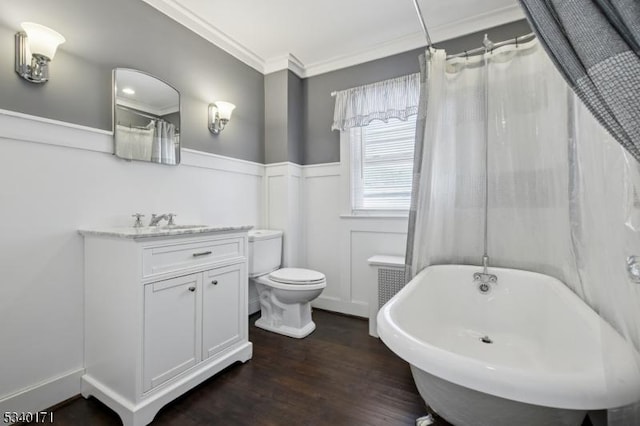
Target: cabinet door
(224, 308)
(170, 329)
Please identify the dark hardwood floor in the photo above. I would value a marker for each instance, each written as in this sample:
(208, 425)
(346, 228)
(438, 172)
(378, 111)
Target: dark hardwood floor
(338, 375)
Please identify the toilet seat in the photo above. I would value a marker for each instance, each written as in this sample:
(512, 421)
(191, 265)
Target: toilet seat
(297, 276)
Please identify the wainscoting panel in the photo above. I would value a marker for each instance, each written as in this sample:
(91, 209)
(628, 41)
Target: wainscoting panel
(57, 178)
(339, 245)
(283, 209)
(364, 244)
(322, 236)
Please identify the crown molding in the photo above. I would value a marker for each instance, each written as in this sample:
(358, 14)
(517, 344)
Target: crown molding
(478, 23)
(417, 40)
(283, 62)
(144, 107)
(186, 17)
(382, 50)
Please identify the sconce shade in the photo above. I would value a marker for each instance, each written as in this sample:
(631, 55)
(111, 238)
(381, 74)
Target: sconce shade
(224, 110)
(35, 48)
(219, 116)
(42, 40)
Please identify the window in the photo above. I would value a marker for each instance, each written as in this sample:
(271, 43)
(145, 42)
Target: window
(382, 166)
(377, 145)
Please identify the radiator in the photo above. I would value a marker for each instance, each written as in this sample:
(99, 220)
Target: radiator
(390, 279)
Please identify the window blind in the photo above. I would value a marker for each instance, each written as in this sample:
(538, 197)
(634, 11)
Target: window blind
(382, 166)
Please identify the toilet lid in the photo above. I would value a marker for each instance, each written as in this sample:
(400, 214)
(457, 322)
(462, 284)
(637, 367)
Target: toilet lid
(296, 276)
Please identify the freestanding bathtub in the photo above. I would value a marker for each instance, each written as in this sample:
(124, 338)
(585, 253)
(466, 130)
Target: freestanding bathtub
(527, 352)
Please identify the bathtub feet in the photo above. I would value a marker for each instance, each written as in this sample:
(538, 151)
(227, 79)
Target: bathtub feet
(425, 420)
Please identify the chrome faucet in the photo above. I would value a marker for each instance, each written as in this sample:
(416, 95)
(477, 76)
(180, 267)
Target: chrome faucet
(484, 279)
(155, 219)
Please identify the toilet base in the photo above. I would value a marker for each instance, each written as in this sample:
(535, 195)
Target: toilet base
(297, 333)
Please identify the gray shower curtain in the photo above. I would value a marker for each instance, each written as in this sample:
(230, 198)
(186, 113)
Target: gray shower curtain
(421, 122)
(596, 46)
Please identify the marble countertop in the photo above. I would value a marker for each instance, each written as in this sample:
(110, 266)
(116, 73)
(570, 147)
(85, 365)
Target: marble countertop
(161, 231)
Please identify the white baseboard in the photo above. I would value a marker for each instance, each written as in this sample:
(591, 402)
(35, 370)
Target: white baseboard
(254, 306)
(43, 395)
(357, 309)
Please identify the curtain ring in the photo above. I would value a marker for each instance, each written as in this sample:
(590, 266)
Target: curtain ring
(516, 41)
(466, 54)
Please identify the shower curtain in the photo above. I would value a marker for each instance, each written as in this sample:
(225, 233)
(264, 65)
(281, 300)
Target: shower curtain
(563, 196)
(163, 149)
(134, 143)
(596, 45)
(156, 142)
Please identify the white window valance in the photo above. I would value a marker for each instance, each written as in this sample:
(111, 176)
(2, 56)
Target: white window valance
(394, 98)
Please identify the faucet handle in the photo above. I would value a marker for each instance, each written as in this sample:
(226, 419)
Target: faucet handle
(170, 220)
(138, 222)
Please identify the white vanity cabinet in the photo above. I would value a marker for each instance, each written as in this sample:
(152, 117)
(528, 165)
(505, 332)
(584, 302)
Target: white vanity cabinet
(162, 314)
(222, 323)
(170, 344)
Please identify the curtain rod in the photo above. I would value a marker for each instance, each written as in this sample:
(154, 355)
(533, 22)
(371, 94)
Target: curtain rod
(487, 43)
(488, 46)
(422, 23)
(492, 46)
(135, 111)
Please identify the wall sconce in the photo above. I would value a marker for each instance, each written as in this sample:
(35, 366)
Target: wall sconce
(219, 116)
(35, 48)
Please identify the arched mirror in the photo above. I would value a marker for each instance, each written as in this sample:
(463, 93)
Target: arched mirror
(146, 118)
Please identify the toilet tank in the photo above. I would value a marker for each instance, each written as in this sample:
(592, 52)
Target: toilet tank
(265, 251)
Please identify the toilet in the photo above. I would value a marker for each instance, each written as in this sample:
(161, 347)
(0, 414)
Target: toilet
(285, 294)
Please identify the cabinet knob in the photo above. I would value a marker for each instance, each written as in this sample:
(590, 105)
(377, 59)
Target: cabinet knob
(214, 282)
(192, 289)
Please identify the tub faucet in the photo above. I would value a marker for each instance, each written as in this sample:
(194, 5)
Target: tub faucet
(484, 279)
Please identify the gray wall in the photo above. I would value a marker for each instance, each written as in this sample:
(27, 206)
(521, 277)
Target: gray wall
(295, 108)
(321, 145)
(283, 111)
(102, 35)
(275, 117)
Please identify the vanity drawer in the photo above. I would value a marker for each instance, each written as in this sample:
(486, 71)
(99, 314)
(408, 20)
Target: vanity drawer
(174, 257)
